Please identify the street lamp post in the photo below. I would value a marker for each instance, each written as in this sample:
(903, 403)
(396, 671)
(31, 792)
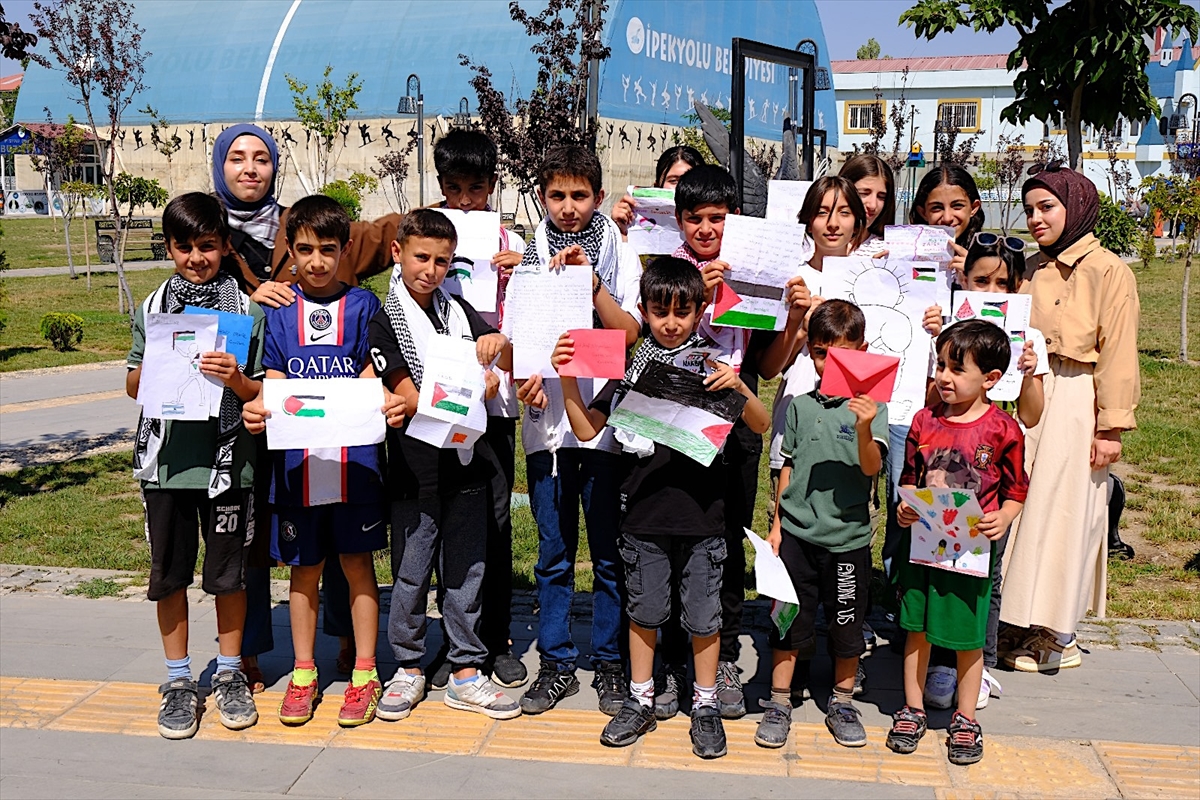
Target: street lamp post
(1192, 161)
(413, 102)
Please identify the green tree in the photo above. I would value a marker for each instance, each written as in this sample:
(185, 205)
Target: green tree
(55, 158)
(75, 195)
(1178, 200)
(324, 117)
(868, 51)
(1084, 59)
(167, 145)
(137, 192)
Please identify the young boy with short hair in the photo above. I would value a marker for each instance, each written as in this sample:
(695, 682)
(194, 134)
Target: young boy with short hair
(562, 469)
(197, 476)
(987, 449)
(672, 526)
(704, 196)
(465, 161)
(833, 448)
(440, 511)
(328, 502)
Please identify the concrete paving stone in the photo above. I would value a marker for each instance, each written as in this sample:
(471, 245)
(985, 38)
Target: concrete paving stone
(1131, 633)
(1179, 647)
(1186, 667)
(34, 787)
(1168, 628)
(1093, 680)
(1073, 719)
(1131, 660)
(64, 661)
(217, 767)
(15, 582)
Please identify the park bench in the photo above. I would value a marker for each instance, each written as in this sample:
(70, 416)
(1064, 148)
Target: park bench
(140, 236)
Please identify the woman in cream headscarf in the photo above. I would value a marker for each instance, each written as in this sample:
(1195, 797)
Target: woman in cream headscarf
(1085, 302)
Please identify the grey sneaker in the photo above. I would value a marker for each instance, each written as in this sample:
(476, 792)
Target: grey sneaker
(843, 721)
(611, 686)
(773, 729)
(632, 721)
(234, 701)
(400, 695)
(552, 684)
(730, 699)
(670, 692)
(708, 732)
(177, 717)
(483, 697)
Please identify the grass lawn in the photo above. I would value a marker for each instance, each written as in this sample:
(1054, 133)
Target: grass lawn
(38, 242)
(88, 513)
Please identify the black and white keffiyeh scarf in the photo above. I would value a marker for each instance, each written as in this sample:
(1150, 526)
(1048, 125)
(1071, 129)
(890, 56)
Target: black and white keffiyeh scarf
(221, 293)
(649, 352)
(260, 224)
(598, 239)
(413, 327)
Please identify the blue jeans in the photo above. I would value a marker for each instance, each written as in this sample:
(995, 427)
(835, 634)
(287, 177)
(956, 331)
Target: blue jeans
(595, 478)
(895, 463)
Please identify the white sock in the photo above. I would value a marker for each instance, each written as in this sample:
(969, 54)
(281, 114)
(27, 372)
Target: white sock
(643, 692)
(1064, 639)
(704, 695)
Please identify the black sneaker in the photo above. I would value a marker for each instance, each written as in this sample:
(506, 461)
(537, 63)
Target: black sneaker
(508, 671)
(708, 732)
(234, 701)
(668, 693)
(773, 728)
(631, 721)
(437, 674)
(843, 721)
(177, 717)
(612, 689)
(800, 679)
(552, 684)
(908, 726)
(730, 699)
(966, 740)
(860, 680)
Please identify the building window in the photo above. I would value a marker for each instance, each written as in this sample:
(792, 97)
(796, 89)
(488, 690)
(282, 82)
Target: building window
(1135, 128)
(961, 114)
(860, 117)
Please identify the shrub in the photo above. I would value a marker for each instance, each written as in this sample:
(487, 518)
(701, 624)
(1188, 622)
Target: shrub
(63, 330)
(1147, 248)
(1116, 229)
(344, 194)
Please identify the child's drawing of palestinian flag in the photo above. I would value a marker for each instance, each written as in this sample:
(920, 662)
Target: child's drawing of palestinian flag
(449, 397)
(929, 273)
(671, 406)
(745, 305)
(783, 615)
(304, 405)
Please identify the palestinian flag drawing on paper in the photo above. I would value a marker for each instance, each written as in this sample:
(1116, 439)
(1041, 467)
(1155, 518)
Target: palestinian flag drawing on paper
(995, 311)
(447, 396)
(783, 615)
(670, 406)
(745, 305)
(925, 274)
(304, 405)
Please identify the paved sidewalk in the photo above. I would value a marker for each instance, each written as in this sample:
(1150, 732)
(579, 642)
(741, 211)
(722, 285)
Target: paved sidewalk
(78, 682)
(97, 269)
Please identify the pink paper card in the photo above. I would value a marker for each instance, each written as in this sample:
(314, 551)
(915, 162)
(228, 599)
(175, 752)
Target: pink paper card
(599, 353)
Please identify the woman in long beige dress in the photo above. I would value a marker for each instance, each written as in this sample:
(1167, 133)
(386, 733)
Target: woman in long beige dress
(1085, 302)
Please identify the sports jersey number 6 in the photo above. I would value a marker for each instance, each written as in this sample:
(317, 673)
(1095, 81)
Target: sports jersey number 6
(378, 359)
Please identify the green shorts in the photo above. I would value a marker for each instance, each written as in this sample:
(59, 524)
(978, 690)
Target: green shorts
(949, 607)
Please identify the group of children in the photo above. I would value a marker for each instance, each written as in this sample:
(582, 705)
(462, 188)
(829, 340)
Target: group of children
(665, 532)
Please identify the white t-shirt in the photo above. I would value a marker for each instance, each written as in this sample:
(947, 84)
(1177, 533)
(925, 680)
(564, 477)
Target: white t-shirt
(540, 428)
(800, 378)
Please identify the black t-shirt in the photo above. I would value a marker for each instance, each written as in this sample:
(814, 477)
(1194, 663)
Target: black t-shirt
(668, 493)
(416, 468)
(744, 443)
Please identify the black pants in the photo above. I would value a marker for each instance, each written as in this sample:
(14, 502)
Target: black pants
(742, 456)
(496, 615)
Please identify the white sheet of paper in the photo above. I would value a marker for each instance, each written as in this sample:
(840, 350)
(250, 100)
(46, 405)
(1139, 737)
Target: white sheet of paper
(654, 231)
(311, 413)
(925, 243)
(543, 305)
(172, 386)
(894, 305)
(763, 252)
(945, 535)
(770, 575)
(784, 199)
(1009, 311)
(477, 282)
(450, 409)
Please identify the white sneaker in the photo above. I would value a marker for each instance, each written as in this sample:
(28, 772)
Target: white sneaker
(987, 687)
(481, 696)
(940, 686)
(400, 695)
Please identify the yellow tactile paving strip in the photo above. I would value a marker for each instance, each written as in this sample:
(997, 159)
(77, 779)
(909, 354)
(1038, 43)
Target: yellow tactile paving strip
(1014, 767)
(1147, 770)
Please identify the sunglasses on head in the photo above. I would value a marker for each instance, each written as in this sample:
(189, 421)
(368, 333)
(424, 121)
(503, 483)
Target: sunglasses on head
(991, 240)
(1053, 166)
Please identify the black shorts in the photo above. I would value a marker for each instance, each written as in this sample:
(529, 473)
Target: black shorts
(175, 521)
(841, 581)
(306, 536)
(693, 563)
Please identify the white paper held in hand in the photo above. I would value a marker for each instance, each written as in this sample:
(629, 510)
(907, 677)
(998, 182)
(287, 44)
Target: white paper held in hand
(450, 410)
(655, 230)
(770, 575)
(472, 275)
(543, 305)
(311, 413)
(785, 198)
(172, 385)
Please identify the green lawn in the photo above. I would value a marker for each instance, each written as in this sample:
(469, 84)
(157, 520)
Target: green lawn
(38, 242)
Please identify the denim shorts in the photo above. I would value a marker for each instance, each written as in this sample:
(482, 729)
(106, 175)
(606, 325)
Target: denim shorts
(653, 564)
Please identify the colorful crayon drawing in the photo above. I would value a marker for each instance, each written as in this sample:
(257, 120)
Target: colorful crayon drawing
(946, 534)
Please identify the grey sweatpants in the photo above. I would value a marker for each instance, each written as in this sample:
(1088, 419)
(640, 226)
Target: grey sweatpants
(453, 530)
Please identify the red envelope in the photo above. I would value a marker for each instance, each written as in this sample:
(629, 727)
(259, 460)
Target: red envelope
(599, 353)
(849, 373)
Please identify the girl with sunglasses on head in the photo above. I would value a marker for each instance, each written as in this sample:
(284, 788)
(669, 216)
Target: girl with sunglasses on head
(1085, 301)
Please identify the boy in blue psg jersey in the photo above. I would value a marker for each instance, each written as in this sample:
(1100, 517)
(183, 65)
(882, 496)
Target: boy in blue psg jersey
(329, 502)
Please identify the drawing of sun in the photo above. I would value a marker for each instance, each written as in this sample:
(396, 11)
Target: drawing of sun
(880, 292)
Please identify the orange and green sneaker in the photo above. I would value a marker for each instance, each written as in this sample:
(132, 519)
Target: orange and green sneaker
(358, 706)
(299, 702)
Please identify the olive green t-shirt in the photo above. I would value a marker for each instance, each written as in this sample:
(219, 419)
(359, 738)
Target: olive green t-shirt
(185, 460)
(827, 500)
